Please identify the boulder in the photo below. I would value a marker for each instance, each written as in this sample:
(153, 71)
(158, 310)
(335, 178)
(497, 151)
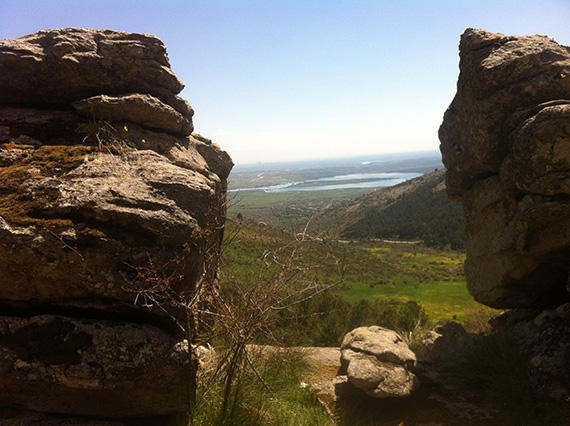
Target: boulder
(80, 225)
(502, 79)
(377, 361)
(448, 342)
(544, 340)
(504, 141)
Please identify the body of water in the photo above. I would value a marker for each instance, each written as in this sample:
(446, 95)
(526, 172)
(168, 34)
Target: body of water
(357, 180)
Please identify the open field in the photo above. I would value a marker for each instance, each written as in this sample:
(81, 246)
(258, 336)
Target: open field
(374, 270)
(433, 278)
(287, 210)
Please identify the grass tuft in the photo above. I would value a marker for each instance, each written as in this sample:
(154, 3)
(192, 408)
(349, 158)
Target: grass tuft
(287, 404)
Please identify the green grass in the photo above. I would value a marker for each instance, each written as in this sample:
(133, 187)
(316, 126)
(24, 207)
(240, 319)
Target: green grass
(372, 271)
(442, 300)
(433, 278)
(277, 401)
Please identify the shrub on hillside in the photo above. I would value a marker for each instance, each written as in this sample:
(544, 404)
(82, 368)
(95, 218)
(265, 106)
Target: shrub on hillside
(326, 318)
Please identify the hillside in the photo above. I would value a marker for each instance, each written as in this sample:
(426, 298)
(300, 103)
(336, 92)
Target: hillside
(418, 209)
(290, 205)
(399, 278)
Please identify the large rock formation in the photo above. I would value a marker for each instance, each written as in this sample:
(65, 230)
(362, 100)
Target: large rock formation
(505, 141)
(111, 212)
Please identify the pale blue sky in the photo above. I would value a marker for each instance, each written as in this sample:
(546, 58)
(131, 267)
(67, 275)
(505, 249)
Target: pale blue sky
(290, 80)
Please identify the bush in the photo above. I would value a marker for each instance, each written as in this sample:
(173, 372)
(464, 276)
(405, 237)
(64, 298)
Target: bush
(392, 314)
(325, 319)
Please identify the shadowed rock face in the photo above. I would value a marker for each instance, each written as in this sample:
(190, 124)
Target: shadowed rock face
(104, 192)
(505, 141)
(119, 369)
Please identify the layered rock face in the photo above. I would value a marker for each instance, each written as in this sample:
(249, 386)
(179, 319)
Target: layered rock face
(505, 141)
(111, 212)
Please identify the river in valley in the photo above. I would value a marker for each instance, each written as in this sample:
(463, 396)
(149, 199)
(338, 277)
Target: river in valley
(357, 180)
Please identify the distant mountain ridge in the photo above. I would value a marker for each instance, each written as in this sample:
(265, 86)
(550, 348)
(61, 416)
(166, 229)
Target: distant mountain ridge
(418, 209)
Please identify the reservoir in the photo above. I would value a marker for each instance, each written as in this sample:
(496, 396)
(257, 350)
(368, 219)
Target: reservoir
(357, 180)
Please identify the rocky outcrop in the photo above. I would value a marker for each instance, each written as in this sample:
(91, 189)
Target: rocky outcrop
(377, 361)
(55, 68)
(145, 110)
(111, 212)
(544, 340)
(505, 142)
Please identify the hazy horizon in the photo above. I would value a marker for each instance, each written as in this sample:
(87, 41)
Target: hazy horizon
(331, 162)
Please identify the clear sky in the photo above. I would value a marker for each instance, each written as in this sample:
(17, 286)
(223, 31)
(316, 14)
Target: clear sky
(303, 79)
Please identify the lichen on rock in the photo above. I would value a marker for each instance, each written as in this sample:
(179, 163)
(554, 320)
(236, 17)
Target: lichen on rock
(103, 191)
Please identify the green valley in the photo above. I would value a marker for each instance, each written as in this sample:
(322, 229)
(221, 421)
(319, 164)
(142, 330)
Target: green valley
(389, 256)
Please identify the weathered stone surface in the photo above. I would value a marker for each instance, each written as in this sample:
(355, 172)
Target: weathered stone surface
(322, 375)
(32, 126)
(85, 367)
(218, 160)
(379, 362)
(110, 218)
(145, 110)
(500, 77)
(58, 67)
(504, 141)
(448, 341)
(543, 338)
(37, 127)
(120, 212)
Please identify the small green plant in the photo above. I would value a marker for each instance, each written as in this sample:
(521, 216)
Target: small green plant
(113, 139)
(287, 403)
(249, 310)
(110, 138)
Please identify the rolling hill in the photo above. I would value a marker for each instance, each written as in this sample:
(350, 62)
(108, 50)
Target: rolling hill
(418, 209)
